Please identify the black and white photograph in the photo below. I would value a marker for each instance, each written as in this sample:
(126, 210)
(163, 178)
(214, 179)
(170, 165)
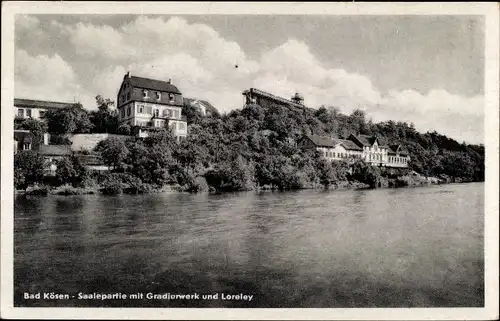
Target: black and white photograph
(228, 158)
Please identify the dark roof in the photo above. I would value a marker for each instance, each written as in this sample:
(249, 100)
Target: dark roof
(55, 150)
(393, 150)
(153, 84)
(367, 140)
(321, 141)
(22, 135)
(29, 103)
(348, 144)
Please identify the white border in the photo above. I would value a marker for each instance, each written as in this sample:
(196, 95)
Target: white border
(489, 10)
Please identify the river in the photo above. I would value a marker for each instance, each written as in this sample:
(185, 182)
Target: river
(410, 247)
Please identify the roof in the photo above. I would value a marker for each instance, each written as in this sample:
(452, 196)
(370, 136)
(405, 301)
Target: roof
(367, 140)
(208, 106)
(348, 144)
(322, 141)
(30, 103)
(393, 150)
(153, 84)
(55, 150)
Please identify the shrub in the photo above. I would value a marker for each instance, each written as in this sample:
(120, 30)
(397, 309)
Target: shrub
(41, 190)
(70, 190)
(28, 168)
(113, 185)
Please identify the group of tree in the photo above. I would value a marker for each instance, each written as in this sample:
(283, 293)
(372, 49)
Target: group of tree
(256, 147)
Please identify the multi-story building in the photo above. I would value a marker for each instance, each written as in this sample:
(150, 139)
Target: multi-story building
(29, 108)
(145, 102)
(371, 149)
(330, 148)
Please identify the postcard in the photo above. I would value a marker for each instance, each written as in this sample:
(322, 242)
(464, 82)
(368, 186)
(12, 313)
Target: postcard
(213, 160)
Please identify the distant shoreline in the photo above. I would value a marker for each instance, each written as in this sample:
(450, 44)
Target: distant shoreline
(37, 191)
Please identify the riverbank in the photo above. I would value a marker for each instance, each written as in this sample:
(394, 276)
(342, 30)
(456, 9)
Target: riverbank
(68, 190)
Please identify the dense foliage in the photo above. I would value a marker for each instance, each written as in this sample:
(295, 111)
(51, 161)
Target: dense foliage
(29, 168)
(256, 147)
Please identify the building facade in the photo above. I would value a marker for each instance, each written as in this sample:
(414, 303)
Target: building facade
(145, 102)
(29, 108)
(370, 149)
(330, 148)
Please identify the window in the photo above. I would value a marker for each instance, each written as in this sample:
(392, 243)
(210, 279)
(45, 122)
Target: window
(20, 112)
(158, 95)
(41, 113)
(157, 112)
(171, 97)
(128, 111)
(128, 96)
(145, 93)
(122, 112)
(149, 110)
(28, 112)
(26, 146)
(140, 109)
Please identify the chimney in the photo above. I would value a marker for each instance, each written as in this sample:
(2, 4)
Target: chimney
(169, 80)
(128, 74)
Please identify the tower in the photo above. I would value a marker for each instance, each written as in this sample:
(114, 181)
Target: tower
(298, 99)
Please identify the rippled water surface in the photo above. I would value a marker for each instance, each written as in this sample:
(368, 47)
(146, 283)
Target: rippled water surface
(372, 248)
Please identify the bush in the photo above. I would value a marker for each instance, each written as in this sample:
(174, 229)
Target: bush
(113, 184)
(366, 174)
(40, 190)
(28, 168)
(70, 190)
(199, 184)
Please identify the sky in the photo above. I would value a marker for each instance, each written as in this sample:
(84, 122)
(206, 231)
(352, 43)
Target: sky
(426, 70)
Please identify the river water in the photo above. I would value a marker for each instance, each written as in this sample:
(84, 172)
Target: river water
(412, 247)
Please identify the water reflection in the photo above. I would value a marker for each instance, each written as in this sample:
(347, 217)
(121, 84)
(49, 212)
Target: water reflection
(382, 248)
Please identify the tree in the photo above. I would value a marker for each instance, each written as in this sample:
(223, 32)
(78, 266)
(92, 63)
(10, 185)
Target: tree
(192, 114)
(65, 172)
(73, 119)
(366, 173)
(104, 119)
(113, 152)
(28, 168)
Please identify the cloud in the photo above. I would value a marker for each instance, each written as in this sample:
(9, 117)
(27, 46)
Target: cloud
(202, 64)
(459, 117)
(44, 77)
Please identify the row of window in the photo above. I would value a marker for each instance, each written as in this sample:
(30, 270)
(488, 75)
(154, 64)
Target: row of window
(339, 155)
(173, 125)
(398, 160)
(21, 112)
(145, 94)
(23, 146)
(376, 157)
(149, 110)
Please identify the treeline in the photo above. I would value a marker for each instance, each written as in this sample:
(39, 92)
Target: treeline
(256, 148)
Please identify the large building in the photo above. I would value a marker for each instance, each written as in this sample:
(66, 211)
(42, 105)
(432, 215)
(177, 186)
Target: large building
(371, 149)
(145, 102)
(29, 108)
(267, 100)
